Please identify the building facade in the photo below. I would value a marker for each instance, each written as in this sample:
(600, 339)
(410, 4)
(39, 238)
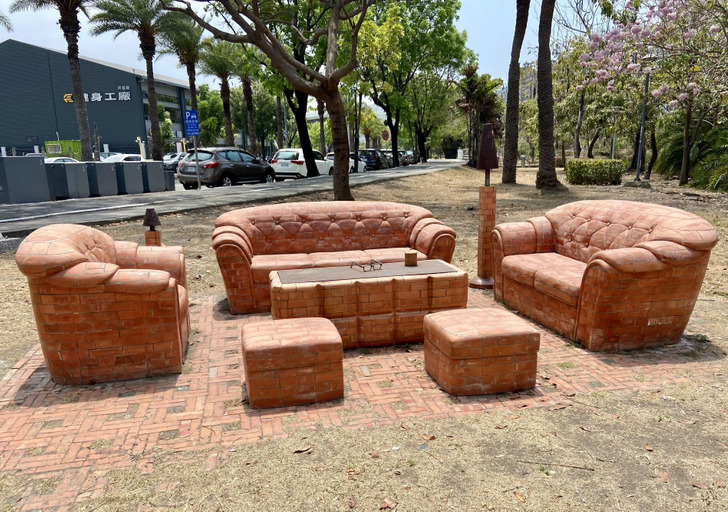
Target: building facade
(38, 105)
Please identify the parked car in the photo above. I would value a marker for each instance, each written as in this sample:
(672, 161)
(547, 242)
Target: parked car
(353, 167)
(123, 157)
(388, 155)
(170, 160)
(373, 159)
(59, 160)
(288, 163)
(223, 167)
(403, 160)
(104, 155)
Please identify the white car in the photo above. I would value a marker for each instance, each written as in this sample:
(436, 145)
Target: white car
(352, 164)
(288, 163)
(121, 157)
(59, 160)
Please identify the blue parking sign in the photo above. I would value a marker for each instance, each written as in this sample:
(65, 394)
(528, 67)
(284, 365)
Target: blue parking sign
(192, 126)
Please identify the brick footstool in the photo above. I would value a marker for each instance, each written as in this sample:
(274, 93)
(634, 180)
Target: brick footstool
(480, 351)
(292, 362)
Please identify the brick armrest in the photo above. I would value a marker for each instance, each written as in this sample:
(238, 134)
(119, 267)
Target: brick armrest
(648, 256)
(434, 239)
(168, 258)
(534, 235)
(110, 278)
(234, 256)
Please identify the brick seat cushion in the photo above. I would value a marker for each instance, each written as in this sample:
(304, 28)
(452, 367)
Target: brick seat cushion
(264, 264)
(553, 274)
(479, 351)
(292, 361)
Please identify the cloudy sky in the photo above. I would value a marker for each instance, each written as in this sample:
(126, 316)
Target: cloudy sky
(489, 24)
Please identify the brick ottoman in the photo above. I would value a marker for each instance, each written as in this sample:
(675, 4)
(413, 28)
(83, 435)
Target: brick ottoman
(480, 351)
(292, 362)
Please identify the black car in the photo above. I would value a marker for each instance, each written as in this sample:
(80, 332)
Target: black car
(223, 167)
(373, 159)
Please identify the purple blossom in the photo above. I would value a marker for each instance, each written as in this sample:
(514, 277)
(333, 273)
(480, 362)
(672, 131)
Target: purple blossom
(714, 29)
(672, 104)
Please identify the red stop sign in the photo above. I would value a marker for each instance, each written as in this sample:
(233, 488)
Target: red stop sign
(385, 135)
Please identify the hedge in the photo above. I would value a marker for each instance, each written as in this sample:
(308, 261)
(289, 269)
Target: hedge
(594, 172)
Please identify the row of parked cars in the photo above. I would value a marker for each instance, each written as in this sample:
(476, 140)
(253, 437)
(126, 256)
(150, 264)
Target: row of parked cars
(226, 166)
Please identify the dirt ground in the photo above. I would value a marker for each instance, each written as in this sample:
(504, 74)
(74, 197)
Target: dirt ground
(660, 450)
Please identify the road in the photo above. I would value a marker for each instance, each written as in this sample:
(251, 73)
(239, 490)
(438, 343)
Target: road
(20, 219)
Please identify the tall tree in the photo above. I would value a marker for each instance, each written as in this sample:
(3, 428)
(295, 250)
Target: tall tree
(510, 150)
(546, 176)
(212, 118)
(71, 27)
(431, 93)
(146, 18)
(183, 37)
(253, 20)
(419, 35)
(220, 59)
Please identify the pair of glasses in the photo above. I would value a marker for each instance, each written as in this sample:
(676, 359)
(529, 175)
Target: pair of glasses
(368, 267)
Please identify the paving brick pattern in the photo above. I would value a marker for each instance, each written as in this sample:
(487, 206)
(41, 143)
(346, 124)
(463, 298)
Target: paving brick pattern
(75, 435)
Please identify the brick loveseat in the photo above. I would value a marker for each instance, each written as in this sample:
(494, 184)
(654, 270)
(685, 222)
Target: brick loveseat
(105, 310)
(252, 242)
(612, 275)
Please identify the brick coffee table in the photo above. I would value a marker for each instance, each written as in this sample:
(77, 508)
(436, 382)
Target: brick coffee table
(480, 351)
(370, 309)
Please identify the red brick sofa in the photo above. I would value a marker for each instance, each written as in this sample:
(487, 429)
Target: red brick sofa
(612, 275)
(105, 310)
(252, 242)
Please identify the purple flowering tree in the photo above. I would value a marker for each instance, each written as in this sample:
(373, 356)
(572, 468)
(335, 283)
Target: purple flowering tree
(682, 43)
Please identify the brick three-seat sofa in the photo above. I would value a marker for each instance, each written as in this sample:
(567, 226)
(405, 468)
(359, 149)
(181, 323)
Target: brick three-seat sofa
(252, 242)
(612, 275)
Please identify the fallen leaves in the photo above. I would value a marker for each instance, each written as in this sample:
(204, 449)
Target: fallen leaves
(352, 502)
(403, 426)
(518, 495)
(700, 486)
(585, 429)
(306, 449)
(663, 477)
(559, 407)
(501, 427)
(648, 447)
(388, 504)
(374, 455)
(428, 438)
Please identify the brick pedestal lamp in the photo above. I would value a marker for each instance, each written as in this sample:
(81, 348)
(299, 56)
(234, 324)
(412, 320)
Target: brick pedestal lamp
(151, 220)
(487, 160)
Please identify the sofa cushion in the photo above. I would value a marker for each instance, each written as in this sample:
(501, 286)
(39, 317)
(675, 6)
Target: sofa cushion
(584, 228)
(549, 272)
(266, 263)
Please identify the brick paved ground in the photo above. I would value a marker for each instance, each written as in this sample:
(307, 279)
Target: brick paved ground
(72, 436)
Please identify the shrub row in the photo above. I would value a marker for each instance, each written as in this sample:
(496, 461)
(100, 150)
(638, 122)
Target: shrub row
(594, 172)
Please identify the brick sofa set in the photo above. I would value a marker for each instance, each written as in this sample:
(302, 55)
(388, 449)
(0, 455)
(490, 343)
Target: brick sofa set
(612, 274)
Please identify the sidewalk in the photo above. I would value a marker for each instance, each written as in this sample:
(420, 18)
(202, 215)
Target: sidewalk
(20, 219)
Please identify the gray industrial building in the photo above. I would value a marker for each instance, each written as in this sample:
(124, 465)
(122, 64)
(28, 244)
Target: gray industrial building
(37, 104)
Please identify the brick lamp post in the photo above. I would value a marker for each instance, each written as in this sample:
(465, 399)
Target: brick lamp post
(487, 160)
(151, 220)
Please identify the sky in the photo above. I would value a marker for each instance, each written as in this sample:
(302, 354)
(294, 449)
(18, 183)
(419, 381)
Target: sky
(489, 25)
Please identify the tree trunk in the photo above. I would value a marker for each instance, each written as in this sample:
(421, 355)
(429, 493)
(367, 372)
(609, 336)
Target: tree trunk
(421, 143)
(248, 95)
(577, 130)
(357, 123)
(653, 157)
(225, 96)
(322, 128)
(71, 28)
(590, 153)
(193, 84)
(685, 167)
(154, 110)
(395, 136)
(367, 140)
(279, 122)
(635, 151)
(563, 154)
(510, 152)
(546, 176)
(299, 108)
(337, 119)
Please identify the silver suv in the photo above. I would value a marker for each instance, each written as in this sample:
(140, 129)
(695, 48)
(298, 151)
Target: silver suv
(223, 167)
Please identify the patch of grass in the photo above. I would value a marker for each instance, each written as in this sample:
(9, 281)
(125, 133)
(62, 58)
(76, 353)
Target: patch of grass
(411, 463)
(235, 402)
(70, 399)
(46, 485)
(34, 452)
(384, 383)
(168, 434)
(101, 443)
(365, 351)
(130, 412)
(52, 424)
(566, 365)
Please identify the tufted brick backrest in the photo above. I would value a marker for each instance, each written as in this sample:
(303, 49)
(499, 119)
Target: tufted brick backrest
(325, 226)
(583, 228)
(51, 249)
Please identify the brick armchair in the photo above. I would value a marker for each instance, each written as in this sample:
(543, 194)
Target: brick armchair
(252, 242)
(612, 275)
(105, 310)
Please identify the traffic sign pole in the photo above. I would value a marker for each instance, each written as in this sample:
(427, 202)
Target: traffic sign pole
(192, 127)
(197, 166)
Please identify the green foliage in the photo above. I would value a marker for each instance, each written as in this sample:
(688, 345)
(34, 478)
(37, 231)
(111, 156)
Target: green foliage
(594, 172)
(211, 115)
(5, 22)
